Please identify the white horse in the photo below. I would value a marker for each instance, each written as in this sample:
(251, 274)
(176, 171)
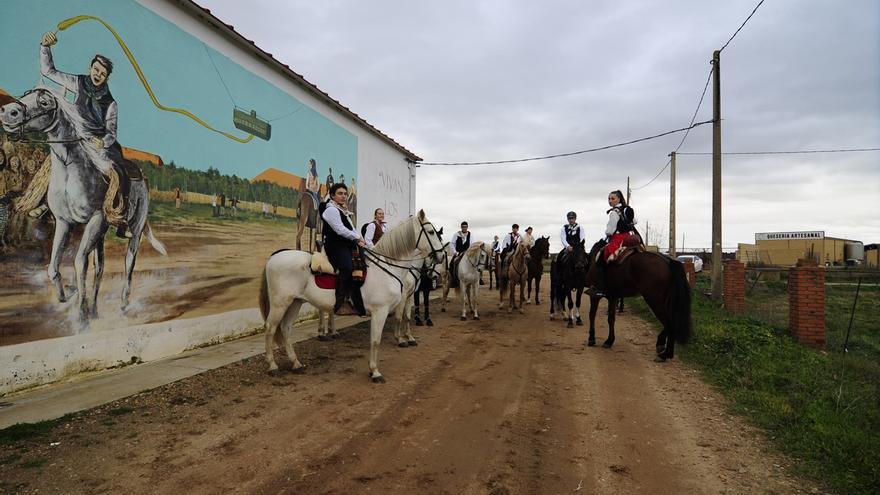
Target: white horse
(288, 282)
(470, 269)
(404, 314)
(76, 193)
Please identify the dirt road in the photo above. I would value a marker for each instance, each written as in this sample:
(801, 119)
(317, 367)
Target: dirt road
(512, 404)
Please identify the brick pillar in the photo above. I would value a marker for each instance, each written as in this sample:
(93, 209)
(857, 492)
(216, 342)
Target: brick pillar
(690, 274)
(806, 304)
(734, 286)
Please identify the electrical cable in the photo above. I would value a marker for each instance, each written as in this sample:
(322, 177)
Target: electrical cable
(741, 26)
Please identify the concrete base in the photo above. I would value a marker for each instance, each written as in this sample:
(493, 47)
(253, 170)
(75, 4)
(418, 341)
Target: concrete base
(40, 362)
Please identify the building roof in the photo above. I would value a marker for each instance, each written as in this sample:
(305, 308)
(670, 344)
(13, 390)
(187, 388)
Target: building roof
(135, 154)
(230, 32)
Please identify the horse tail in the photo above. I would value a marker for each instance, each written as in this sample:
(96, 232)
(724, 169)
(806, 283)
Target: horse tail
(679, 303)
(156, 243)
(264, 295)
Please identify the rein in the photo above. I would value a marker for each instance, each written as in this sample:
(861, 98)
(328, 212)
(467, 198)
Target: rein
(18, 133)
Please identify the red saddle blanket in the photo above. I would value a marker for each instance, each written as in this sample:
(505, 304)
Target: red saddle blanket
(325, 280)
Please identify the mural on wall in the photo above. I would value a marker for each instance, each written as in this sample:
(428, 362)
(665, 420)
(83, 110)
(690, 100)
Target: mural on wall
(144, 176)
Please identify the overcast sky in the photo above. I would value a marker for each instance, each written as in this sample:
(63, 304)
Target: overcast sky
(467, 80)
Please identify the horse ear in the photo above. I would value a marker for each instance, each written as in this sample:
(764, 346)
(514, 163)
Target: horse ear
(440, 231)
(421, 215)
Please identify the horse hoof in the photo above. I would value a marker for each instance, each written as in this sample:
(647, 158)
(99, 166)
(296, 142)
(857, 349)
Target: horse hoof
(659, 359)
(442, 310)
(402, 344)
(552, 317)
(579, 322)
(276, 372)
(529, 301)
(607, 345)
(463, 318)
(661, 349)
(591, 343)
(377, 378)
(569, 324)
(537, 302)
(298, 370)
(412, 343)
(477, 318)
(323, 338)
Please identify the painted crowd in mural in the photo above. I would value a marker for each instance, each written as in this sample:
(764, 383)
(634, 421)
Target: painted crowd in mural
(117, 148)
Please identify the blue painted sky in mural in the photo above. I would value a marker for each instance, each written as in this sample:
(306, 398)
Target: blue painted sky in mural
(179, 68)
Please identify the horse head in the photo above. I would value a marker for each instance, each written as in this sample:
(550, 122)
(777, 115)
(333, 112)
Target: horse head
(430, 239)
(541, 249)
(580, 260)
(35, 111)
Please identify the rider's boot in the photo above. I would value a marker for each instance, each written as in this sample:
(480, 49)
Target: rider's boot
(342, 306)
(358, 301)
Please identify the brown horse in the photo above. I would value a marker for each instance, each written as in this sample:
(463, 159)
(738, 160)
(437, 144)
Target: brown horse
(539, 252)
(517, 273)
(661, 281)
(307, 215)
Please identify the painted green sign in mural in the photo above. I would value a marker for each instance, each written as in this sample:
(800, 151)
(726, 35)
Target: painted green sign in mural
(250, 123)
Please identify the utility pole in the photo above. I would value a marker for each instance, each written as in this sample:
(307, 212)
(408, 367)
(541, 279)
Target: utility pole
(716, 176)
(628, 190)
(672, 206)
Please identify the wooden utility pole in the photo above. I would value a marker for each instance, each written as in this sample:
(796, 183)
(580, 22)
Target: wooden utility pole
(716, 176)
(672, 205)
(627, 189)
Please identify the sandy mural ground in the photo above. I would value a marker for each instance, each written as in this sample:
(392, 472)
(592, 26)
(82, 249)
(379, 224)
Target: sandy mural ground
(211, 267)
(511, 404)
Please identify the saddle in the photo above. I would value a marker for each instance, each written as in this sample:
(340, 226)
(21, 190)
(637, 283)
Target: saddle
(632, 244)
(453, 270)
(325, 274)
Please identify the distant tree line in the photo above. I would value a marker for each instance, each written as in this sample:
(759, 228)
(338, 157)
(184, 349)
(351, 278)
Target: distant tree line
(211, 181)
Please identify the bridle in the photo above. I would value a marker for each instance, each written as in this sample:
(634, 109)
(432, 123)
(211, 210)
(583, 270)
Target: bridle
(381, 259)
(18, 133)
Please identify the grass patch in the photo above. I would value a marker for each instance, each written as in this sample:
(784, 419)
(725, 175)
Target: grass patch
(190, 213)
(10, 459)
(34, 463)
(119, 411)
(820, 407)
(27, 431)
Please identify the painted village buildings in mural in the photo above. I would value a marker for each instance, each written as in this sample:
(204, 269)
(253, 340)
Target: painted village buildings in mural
(220, 158)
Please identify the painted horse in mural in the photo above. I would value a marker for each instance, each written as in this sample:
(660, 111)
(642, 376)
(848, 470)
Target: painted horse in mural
(76, 193)
(307, 218)
(539, 252)
(288, 282)
(660, 280)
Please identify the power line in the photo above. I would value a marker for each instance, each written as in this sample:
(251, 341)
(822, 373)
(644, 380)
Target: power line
(547, 157)
(795, 152)
(220, 76)
(741, 26)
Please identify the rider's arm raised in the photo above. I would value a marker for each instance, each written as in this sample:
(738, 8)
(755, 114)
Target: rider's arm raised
(47, 68)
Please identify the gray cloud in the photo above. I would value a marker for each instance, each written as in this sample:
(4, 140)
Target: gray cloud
(492, 80)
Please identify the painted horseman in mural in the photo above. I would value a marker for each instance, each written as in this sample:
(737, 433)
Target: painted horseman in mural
(82, 154)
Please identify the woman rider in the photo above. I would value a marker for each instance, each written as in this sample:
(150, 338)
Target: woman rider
(621, 224)
(339, 241)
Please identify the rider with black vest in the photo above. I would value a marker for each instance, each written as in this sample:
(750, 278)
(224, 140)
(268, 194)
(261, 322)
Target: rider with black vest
(340, 239)
(461, 241)
(621, 224)
(571, 234)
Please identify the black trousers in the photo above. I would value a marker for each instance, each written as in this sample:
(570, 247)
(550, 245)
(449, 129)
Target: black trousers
(339, 255)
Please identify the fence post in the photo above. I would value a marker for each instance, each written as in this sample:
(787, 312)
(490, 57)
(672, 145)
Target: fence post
(806, 303)
(734, 286)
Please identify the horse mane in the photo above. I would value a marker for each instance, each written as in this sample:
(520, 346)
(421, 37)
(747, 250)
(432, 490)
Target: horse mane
(68, 109)
(474, 248)
(400, 241)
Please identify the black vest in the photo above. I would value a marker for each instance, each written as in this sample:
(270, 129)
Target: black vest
(625, 219)
(572, 234)
(330, 235)
(95, 118)
(461, 244)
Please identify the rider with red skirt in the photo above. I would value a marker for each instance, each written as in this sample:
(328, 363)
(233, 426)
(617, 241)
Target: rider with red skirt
(621, 224)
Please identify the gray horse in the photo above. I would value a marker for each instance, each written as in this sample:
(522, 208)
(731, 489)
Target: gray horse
(76, 193)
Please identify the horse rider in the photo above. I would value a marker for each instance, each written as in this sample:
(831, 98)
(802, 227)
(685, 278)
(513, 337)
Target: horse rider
(313, 187)
(99, 112)
(340, 240)
(376, 228)
(461, 241)
(496, 246)
(511, 240)
(570, 234)
(621, 224)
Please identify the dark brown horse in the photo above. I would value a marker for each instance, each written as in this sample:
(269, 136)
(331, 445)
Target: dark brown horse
(308, 218)
(568, 272)
(661, 281)
(539, 252)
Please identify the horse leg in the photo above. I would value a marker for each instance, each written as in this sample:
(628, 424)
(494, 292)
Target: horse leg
(273, 326)
(331, 320)
(59, 243)
(529, 298)
(130, 258)
(594, 308)
(569, 315)
(522, 297)
(612, 307)
(99, 273)
(91, 235)
(577, 307)
(286, 334)
(537, 289)
(377, 323)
